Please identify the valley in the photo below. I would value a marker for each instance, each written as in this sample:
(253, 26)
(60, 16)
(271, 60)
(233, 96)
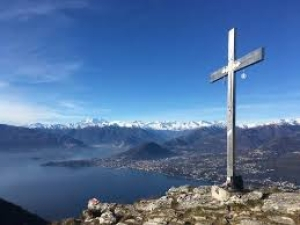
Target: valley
(113, 162)
(263, 157)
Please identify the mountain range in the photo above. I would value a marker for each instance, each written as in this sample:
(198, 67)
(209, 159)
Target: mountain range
(208, 137)
(156, 125)
(146, 151)
(14, 138)
(274, 137)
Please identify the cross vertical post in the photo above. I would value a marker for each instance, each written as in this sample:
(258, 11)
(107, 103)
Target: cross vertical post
(233, 181)
(231, 108)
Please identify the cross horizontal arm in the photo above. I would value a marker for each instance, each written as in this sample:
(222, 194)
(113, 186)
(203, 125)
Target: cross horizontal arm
(249, 59)
(219, 74)
(239, 64)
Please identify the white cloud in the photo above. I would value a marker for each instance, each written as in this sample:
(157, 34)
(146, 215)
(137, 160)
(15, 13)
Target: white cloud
(42, 72)
(69, 105)
(33, 56)
(24, 10)
(3, 84)
(85, 109)
(15, 112)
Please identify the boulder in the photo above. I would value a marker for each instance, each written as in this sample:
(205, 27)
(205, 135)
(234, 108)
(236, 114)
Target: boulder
(107, 218)
(250, 222)
(282, 220)
(156, 221)
(94, 204)
(220, 194)
(283, 202)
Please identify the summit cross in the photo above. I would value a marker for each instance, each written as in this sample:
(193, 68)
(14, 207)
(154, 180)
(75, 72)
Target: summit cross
(233, 181)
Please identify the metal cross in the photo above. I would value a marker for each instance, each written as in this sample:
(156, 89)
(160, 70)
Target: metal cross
(234, 65)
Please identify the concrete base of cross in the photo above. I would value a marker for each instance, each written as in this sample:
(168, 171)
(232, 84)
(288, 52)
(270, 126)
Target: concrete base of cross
(219, 193)
(234, 183)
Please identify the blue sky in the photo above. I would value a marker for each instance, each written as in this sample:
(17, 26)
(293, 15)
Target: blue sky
(63, 61)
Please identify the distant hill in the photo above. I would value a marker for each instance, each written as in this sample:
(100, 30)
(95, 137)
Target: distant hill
(14, 138)
(213, 139)
(11, 214)
(114, 135)
(205, 139)
(282, 145)
(147, 151)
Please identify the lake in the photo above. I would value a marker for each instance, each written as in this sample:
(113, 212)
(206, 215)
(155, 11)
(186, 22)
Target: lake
(55, 192)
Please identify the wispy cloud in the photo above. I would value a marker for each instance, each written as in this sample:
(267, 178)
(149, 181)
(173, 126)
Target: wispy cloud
(42, 72)
(19, 111)
(85, 109)
(69, 105)
(34, 56)
(25, 10)
(27, 67)
(3, 84)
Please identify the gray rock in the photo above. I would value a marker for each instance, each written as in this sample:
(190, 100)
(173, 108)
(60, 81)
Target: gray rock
(87, 215)
(94, 204)
(282, 220)
(283, 202)
(156, 221)
(197, 206)
(179, 190)
(108, 207)
(107, 218)
(250, 222)
(220, 194)
(146, 205)
(252, 196)
(132, 222)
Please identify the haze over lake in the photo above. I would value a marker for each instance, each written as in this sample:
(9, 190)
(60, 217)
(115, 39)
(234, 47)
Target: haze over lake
(58, 192)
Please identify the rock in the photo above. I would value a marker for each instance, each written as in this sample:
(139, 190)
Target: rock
(283, 202)
(235, 199)
(220, 194)
(107, 207)
(150, 205)
(199, 206)
(250, 222)
(252, 196)
(156, 221)
(146, 205)
(282, 220)
(239, 198)
(87, 215)
(132, 222)
(179, 190)
(94, 221)
(94, 204)
(107, 218)
(257, 208)
(70, 221)
(120, 212)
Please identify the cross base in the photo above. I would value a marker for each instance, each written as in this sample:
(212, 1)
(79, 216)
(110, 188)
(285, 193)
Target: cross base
(235, 183)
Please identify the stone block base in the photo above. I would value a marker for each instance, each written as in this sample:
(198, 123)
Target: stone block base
(235, 183)
(220, 194)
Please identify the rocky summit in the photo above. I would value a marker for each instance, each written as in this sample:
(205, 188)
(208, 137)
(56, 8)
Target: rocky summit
(187, 205)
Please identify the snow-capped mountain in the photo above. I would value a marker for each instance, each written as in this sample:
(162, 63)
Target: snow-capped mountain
(275, 122)
(157, 125)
